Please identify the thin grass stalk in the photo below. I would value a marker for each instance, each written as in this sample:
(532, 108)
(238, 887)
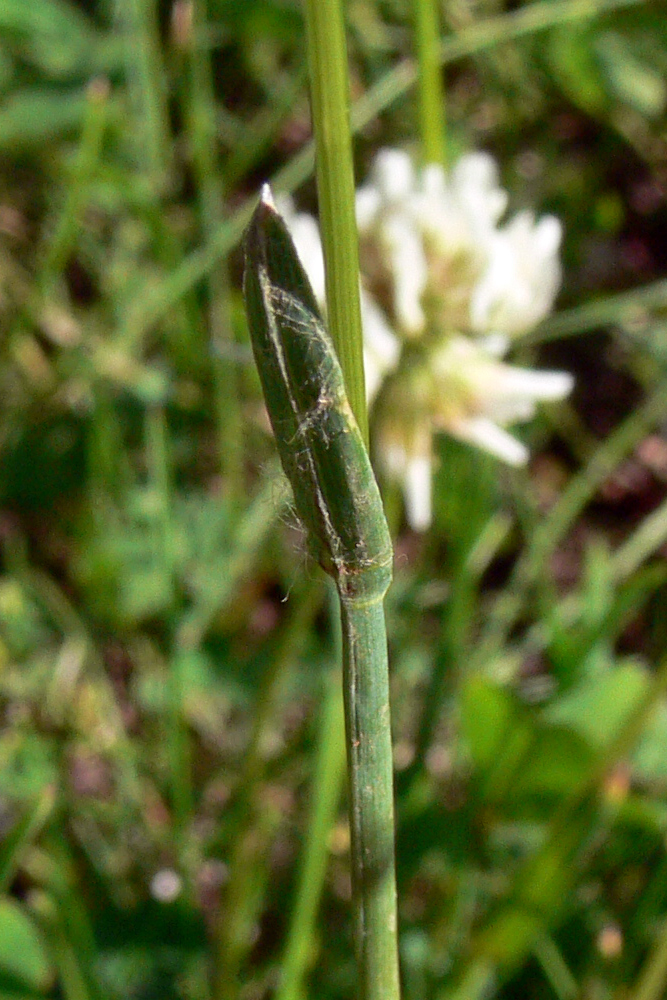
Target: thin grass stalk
(201, 121)
(327, 787)
(430, 90)
(652, 982)
(178, 737)
(329, 93)
(65, 231)
(555, 968)
(147, 84)
(617, 310)
(258, 820)
(153, 150)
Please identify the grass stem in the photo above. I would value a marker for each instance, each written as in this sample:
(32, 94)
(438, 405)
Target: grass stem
(430, 90)
(327, 788)
(366, 694)
(329, 89)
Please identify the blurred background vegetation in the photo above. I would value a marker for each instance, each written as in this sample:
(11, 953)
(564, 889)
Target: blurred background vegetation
(170, 750)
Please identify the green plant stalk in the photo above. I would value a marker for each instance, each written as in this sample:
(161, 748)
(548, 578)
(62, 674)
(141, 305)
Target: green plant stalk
(329, 93)
(63, 238)
(327, 788)
(146, 76)
(153, 150)
(617, 309)
(430, 90)
(337, 498)
(178, 738)
(555, 968)
(244, 895)
(370, 766)
(253, 831)
(201, 119)
(652, 980)
(456, 626)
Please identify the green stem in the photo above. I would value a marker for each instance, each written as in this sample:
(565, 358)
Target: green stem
(146, 76)
(327, 787)
(653, 978)
(618, 309)
(202, 128)
(369, 765)
(329, 87)
(177, 735)
(431, 93)
(258, 818)
(66, 229)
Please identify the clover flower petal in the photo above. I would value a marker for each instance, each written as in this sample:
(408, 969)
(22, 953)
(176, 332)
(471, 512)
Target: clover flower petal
(485, 434)
(522, 276)
(413, 470)
(458, 388)
(306, 236)
(470, 383)
(381, 346)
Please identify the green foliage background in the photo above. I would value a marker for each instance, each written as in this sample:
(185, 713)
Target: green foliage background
(171, 725)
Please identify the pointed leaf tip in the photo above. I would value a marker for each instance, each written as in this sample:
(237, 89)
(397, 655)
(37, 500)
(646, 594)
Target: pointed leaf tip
(266, 197)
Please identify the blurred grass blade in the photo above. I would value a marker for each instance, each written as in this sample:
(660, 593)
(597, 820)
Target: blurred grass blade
(327, 788)
(22, 834)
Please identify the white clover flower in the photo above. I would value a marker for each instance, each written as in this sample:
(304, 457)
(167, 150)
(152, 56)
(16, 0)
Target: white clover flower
(413, 470)
(479, 396)
(522, 276)
(385, 210)
(440, 273)
(460, 389)
(438, 247)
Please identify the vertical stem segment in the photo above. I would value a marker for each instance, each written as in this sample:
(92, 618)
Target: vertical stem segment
(431, 92)
(329, 94)
(366, 693)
